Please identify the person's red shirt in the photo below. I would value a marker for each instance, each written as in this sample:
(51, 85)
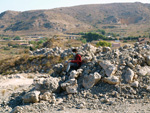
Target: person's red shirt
(77, 60)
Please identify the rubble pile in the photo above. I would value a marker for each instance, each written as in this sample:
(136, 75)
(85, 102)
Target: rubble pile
(105, 76)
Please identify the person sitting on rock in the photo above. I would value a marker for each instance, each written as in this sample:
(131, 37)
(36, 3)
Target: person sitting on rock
(76, 63)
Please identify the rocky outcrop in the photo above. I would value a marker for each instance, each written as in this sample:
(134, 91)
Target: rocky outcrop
(47, 84)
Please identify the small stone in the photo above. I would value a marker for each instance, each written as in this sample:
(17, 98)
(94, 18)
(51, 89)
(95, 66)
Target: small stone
(115, 93)
(135, 84)
(17, 109)
(111, 80)
(148, 88)
(46, 96)
(101, 95)
(95, 96)
(132, 102)
(111, 102)
(62, 108)
(73, 74)
(31, 97)
(71, 89)
(59, 100)
(148, 60)
(80, 106)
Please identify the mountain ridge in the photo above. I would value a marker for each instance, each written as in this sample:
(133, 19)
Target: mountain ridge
(75, 19)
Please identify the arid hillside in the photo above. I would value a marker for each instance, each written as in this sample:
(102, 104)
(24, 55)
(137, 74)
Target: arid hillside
(131, 18)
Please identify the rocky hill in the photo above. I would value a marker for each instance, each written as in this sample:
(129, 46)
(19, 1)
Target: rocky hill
(76, 19)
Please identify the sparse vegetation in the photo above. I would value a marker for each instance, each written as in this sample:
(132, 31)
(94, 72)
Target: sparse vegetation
(103, 44)
(3, 92)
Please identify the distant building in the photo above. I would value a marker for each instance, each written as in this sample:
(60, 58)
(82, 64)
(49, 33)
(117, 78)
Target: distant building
(143, 40)
(72, 37)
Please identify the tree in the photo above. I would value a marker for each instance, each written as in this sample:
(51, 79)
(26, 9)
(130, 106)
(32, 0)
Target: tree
(92, 36)
(101, 31)
(103, 43)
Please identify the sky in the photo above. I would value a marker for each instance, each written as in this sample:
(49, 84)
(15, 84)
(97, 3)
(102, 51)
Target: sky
(24, 5)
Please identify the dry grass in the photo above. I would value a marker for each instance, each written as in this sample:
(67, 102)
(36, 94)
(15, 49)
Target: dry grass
(3, 91)
(16, 87)
(11, 52)
(27, 62)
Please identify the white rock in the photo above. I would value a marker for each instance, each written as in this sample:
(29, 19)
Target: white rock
(129, 75)
(80, 71)
(70, 82)
(71, 89)
(80, 106)
(59, 100)
(31, 97)
(90, 80)
(144, 71)
(135, 84)
(109, 68)
(87, 59)
(47, 84)
(70, 86)
(111, 80)
(148, 88)
(73, 74)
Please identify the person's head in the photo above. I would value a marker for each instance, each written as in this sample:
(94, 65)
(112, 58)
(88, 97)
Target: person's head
(74, 51)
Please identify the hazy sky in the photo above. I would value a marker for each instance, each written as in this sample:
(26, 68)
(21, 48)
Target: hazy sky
(23, 5)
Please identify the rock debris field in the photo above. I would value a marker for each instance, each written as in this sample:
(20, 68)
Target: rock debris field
(113, 81)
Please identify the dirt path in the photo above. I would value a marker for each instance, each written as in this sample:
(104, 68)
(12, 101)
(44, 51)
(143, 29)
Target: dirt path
(22, 81)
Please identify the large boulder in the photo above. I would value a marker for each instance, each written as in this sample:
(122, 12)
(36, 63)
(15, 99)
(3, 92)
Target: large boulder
(111, 80)
(47, 84)
(90, 80)
(109, 68)
(129, 75)
(70, 86)
(31, 97)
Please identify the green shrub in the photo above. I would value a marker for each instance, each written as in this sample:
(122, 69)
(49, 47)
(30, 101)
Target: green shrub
(6, 38)
(103, 43)
(6, 48)
(17, 38)
(83, 40)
